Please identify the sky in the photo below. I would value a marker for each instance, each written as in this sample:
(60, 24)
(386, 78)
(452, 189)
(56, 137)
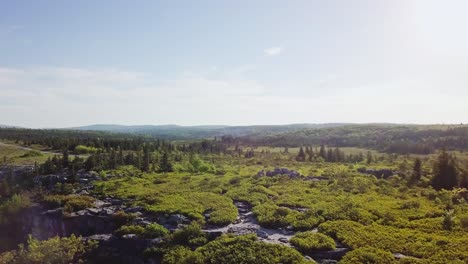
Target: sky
(73, 63)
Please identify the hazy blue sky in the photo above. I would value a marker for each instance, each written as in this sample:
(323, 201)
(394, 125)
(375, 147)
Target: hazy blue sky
(69, 63)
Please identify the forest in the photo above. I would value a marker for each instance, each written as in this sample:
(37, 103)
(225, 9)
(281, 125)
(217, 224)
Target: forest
(331, 194)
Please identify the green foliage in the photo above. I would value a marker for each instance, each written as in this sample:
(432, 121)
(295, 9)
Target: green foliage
(449, 220)
(70, 203)
(445, 172)
(247, 250)
(55, 250)
(368, 255)
(164, 164)
(121, 218)
(190, 235)
(81, 149)
(309, 241)
(32, 153)
(149, 231)
(182, 255)
(176, 194)
(130, 229)
(12, 207)
(464, 221)
(154, 230)
(419, 244)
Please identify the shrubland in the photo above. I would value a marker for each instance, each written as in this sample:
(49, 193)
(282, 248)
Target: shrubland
(420, 210)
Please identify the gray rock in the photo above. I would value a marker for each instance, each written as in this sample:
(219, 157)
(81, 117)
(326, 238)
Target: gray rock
(134, 209)
(178, 219)
(335, 254)
(262, 234)
(101, 237)
(93, 211)
(130, 236)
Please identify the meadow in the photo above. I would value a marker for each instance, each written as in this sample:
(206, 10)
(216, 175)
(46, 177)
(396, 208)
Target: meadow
(356, 210)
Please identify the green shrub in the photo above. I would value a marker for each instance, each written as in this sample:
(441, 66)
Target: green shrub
(13, 206)
(71, 203)
(368, 255)
(309, 241)
(272, 216)
(247, 250)
(149, 231)
(190, 235)
(449, 220)
(182, 255)
(55, 250)
(464, 221)
(130, 229)
(80, 149)
(410, 205)
(32, 154)
(121, 218)
(154, 231)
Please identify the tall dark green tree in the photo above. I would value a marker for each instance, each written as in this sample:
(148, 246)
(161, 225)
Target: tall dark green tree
(164, 163)
(120, 157)
(417, 171)
(322, 152)
(370, 158)
(112, 159)
(301, 155)
(445, 172)
(65, 159)
(146, 159)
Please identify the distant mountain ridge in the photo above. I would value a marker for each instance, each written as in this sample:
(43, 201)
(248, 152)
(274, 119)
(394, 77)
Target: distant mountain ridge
(7, 126)
(171, 131)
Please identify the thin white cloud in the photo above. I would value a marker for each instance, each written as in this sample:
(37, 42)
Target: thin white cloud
(273, 51)
(61, 97)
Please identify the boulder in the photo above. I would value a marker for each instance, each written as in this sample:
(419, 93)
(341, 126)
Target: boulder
(134, 209)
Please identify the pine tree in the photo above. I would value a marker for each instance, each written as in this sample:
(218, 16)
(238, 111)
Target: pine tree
(138, 160)
(146, 159)
(311, 154)
(301, 155)
(445, 172)
(90, 162)
(322, 152)
(112, 159)
(120, 157)
(164, 163)
(417, 171)
(330, 156)
(370, 158)
(65, 159)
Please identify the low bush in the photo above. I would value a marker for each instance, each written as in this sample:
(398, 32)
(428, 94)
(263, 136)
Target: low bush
(464, 221)
(31, 154)
(71, 203)
(181, 255)
(154, 231)
(191, 235)
(56, 250)
(121, 218)
(309, 241)
(368, 255)
(13, 206)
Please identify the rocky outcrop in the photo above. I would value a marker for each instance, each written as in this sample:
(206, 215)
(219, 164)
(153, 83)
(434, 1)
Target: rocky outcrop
(379, 174)
(329, 256)
(128, 249)
(279, 171)
(292, 174)
(14, 171)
